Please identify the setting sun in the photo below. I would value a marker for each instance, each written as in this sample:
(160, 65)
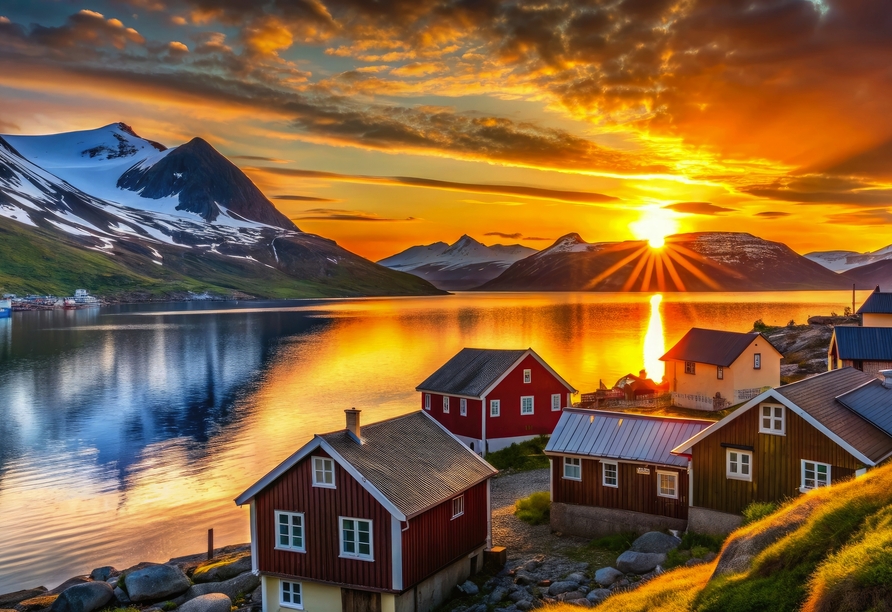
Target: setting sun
(654, 225)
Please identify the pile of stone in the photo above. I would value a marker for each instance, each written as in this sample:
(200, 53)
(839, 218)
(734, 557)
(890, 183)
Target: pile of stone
(186, 584)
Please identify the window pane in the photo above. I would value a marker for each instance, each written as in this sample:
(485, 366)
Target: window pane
(766, 423)
(365, 549)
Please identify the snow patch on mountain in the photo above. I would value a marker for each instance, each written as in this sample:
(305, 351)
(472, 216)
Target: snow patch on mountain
(842, 261)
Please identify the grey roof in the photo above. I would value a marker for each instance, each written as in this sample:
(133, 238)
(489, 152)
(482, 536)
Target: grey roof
(471, 371)
(712, 346)
(877, 303)
(616, 435)
(872, 401)
(817, 396)
(412, 460)
(864, 343)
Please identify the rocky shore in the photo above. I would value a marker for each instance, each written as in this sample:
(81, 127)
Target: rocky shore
(804, 346)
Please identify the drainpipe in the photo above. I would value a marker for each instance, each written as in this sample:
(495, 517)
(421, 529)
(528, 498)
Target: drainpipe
(483, 412)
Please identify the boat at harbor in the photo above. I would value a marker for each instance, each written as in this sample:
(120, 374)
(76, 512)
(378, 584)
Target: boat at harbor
(5, 309)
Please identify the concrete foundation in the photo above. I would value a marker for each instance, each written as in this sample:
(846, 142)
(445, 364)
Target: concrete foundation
(704, 520)
(430, 593)
(594, 521)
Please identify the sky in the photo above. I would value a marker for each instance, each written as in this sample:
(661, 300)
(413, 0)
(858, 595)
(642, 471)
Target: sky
(386, 124)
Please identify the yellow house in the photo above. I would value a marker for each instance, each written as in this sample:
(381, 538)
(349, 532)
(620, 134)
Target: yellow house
(710, 369)
(876, 311)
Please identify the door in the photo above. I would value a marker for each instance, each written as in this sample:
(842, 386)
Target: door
(353, 600)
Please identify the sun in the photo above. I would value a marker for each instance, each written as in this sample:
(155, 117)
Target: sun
(654, 225)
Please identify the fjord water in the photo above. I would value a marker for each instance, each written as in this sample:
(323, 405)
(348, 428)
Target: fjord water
(126, 432)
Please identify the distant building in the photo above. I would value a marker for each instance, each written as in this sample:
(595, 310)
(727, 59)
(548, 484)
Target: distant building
(709, 369)
(867, 348)
(876, 311)
(386, 517)
(492, 398)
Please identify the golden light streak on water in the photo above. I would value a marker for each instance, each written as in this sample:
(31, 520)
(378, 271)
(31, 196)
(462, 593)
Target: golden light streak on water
(654, 345)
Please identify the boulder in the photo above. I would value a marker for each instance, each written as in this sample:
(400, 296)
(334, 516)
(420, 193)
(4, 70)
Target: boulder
(36, 603)
(102, 573)
(497, 595)
(155, 582)
(518, 595)
(532, 565)
(212, 602)
(84, 597)
(631, 562)
(571, 596)
(257, 595)
(122, 596)
(577, 577)
(655, 542)
(223, 569)
(469, 588)
(243, 583)
(563, 586)
(608, 575)
(9, 600)
(525, 605)
(524, 578)
(582, 603)
(596, 596)
(68, 584)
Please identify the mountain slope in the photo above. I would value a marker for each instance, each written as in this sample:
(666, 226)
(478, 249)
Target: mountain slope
(463, 265)
(161, 248)
(870, 275)
(705, 261)
(840, 261)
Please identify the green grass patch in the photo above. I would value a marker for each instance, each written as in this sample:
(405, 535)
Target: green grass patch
(756, 511)
(692, 545)
(602, 552)
(527, 455)
(167, 606)
(535, 509)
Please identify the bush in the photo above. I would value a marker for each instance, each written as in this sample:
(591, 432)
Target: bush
(535, 509)
(690, 541)
(760, 326)
(616, 542)
(756, 511)
(528, 455)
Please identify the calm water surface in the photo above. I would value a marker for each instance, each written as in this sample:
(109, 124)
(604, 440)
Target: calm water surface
(125, 433)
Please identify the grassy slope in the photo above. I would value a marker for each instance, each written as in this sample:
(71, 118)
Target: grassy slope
(838, 559)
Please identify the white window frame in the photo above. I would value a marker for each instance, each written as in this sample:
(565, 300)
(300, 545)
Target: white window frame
(576, 464)
(495, 408)
(532, 405)
(527, 376)
(720, 373)
(757, 361)
(427, 401)
(458, 506)
(463, 406)
(291, 592)
(303, 535)
(674, 476)
(692, 369)
(815, 465)
(615, 467)
(555, 402)
(445, 404)
(738, 475)
(772, 419)
(356, 554)
(325, 463)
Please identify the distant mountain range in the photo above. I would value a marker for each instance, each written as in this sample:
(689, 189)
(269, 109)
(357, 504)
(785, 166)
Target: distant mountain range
(121, 215)
(841, 261)
(466, 264)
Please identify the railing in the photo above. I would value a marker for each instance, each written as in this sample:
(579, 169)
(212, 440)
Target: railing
(594, 400)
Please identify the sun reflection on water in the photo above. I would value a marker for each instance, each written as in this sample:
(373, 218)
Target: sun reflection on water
(654, 345)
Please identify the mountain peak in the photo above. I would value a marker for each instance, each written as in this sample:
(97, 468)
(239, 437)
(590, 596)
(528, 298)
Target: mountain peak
(567, 243)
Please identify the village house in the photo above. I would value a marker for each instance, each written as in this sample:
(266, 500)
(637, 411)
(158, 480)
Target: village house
(709, 369)
(867, 348)
(614, 472)
(787, 441)
(876, 311)
(388, 517)
(492, 398)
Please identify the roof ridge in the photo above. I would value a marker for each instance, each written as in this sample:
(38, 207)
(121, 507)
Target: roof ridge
(816, 376)
(637, 414)
(382, 421)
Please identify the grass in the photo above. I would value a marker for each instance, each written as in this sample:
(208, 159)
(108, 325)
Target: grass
(602, 552)
(756, 511)
(535, 509)
(527, 455)
(692, 545)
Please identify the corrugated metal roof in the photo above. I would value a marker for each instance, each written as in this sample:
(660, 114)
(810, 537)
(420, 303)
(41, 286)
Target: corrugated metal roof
(471, 371)
(712, 346)
(412, 460)
(872, 401)
(624, 436)
(864, 343)
(877, 303)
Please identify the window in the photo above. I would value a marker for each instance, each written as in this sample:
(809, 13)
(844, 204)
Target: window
(445, 405)
(667, 484)
(323, 472)
(290, 535)
(290, 595)
(740, 465)
(495, 408)
(526, 404)
(527, 376)
(757, 361)
(572, 468)
(814, 475)
(356, 538)
(609, 475)
(720, 372)
(427, 401)
(772, 420)
(458, 506)
(690, 367)
(463, 407)
(556, 401)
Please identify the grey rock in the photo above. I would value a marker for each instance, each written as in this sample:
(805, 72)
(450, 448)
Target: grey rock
(155, 582)
(518, 595)
(9, 600)
(564, 586)
(709, 557)
(608, 575)
(102, 573)
(480, 608)
(619, 584)
(655, 542)
(582, 602)
(526, 604)
(631, 562)
(68, 584)
(571, 596)
(257, 595)
(113, 581)
(219, 571)
(469, 588)
(524, 578)
(584, 590)
(497, 595)
(577, 577)
(693, 562)
(84, 597)
(243, 583)
(532, 565)
(212, 602)
(598, 595)
(121, 595)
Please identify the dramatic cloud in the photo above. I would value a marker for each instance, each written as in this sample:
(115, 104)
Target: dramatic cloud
(861, 217)
(814, 189)
(698, 208)
(773, 214)
(301, 198)
(335, 214)
(513, 236)
(272, 160)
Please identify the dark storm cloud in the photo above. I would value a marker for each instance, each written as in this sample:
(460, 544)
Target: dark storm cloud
(698, 208)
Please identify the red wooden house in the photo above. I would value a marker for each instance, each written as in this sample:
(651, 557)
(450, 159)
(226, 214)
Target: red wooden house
(492, 398)
(384, 518)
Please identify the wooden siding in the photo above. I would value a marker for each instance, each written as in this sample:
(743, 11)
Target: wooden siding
(294, 492)
(776, 462)
(468, 426)
(510, 423)
(636, 492)
(434, 539)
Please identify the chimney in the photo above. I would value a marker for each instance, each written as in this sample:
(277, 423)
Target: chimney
(353, 427)
(886, 378)
(642, 374)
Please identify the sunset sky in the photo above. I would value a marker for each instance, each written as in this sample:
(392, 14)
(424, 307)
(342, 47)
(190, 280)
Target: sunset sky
(384, 124)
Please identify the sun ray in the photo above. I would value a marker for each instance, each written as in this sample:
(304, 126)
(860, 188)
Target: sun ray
(592, 283)
(673, 273)
(692, 269)
(630, 282)
(661, 277)
(682, 250)
(648, 272)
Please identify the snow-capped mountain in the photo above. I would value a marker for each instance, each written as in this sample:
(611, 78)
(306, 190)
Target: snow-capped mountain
(705, 261)
(182, 215)
(840, 261)
(463, 265)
